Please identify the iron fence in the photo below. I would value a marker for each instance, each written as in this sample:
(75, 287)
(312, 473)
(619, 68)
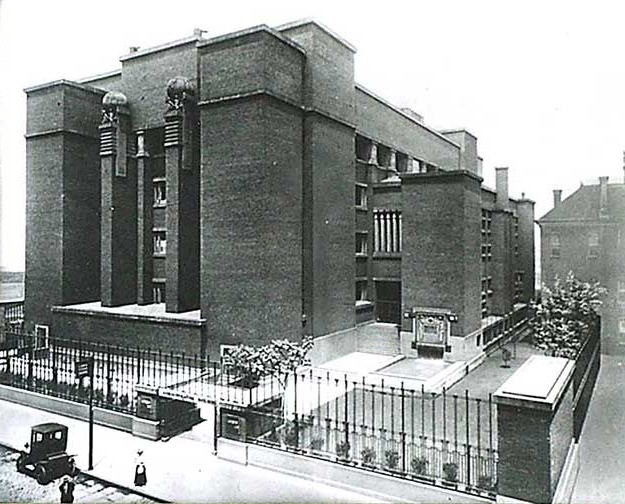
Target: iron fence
(587, 364)
(505, 324)
(399, 453)
(47, 365)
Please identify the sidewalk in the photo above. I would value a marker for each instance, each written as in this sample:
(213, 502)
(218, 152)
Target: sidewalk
(602, 465)
(182, 469)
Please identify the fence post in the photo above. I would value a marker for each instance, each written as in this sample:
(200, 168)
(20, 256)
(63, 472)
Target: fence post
(403, 431)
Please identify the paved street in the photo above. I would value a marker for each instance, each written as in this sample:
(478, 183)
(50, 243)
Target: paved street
(602, 466)
(17, 487)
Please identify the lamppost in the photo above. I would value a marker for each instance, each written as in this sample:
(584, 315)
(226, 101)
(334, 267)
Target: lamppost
(84, 369)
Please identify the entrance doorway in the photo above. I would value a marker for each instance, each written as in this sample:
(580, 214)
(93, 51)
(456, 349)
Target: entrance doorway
(388, 301)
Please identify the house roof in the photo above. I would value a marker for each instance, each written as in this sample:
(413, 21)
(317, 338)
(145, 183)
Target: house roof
(583, 204)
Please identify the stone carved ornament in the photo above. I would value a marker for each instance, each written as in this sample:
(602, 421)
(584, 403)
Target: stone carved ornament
(110, 104)
(179, 89)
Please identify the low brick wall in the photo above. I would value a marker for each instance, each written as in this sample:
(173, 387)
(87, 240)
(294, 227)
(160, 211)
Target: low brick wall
(535, 428)
(107, 418)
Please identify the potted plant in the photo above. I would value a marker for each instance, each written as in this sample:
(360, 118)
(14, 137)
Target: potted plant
(391, 459)
(316, 444)
(290, 435)
(450, 469)
(419, 466)
(368, 457)
(342, 451)
(485, 482)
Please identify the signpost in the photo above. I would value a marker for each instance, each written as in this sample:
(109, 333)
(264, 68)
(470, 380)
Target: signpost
(84, 369)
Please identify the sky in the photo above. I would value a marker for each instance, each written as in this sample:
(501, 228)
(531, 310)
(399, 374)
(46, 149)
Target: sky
(540, 84)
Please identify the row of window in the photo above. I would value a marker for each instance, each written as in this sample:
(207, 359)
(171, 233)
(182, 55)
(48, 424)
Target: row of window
(487, 221)
(592, 250)
(387, 230)
(160, 242)
(370, 152)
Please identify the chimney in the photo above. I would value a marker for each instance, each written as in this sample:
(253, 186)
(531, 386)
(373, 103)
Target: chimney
(557, 197)
(134, 49)
(501, 201)
(603, 196)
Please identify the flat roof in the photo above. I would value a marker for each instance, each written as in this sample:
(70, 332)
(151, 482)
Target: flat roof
(305, 21)
(383, 101)
(149, 313)
(104, 75)
(249, 31)
(63, 82)
(162, 47)
(539, 382)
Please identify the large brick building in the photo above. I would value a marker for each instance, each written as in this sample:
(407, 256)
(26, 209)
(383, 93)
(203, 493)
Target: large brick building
(243, 188)
(585, 234)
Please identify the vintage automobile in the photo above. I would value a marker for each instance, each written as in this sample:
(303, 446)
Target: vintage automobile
(47, 458)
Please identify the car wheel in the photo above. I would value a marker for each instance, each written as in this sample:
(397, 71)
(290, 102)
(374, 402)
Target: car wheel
(21, 462)
(41, 475)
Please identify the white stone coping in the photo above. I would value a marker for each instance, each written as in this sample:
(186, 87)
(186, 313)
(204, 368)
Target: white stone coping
(538, 383)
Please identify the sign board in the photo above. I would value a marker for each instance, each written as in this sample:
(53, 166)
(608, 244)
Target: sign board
(84, 368)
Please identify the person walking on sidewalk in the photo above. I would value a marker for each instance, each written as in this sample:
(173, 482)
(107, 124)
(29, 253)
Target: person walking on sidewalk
(67, 489)
(140, 474)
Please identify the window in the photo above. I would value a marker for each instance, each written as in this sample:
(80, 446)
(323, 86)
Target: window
(41, 336)
(518, 286)
(361, 243)
(621, 326)
(516, 236)
(361, 196)
(486, 235)
(621, 291)
(593, 244)
(555, 246)
(158, 291)
(160, 242)
(387, 226)
(484, 297)
(361, 291)
(160, 192)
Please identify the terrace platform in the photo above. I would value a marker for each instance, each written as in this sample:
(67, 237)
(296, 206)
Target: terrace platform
(144, 326)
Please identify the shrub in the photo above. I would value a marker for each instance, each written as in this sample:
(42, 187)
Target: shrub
(485, 482)
(391, 457)
(419, 465)
(368, 456)
(342, 450)
(316, 443)
(290, 434)
(451, 471)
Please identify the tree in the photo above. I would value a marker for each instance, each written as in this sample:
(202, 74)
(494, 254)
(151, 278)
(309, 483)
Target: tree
(565, 315)
(279, 358)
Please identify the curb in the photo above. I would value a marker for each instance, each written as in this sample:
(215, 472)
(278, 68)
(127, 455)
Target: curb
(109, 482)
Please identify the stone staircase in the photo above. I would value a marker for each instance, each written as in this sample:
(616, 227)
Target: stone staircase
(378, 338)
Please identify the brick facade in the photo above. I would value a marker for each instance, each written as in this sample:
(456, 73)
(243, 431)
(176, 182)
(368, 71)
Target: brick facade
(577, 236)
(262, 186)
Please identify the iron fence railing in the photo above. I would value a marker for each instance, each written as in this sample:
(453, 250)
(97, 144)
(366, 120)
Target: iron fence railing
(13, 311)
(505, 324)
(587, 365)
(399, 453)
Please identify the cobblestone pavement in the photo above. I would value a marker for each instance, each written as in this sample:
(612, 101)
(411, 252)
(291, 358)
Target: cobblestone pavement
(17, 487)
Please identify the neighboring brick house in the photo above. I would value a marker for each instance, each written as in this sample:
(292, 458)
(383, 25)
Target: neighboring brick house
(243, 188)
(585, 234)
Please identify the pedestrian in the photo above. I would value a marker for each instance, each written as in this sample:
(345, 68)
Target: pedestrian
(67, 489)
(140, 473)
